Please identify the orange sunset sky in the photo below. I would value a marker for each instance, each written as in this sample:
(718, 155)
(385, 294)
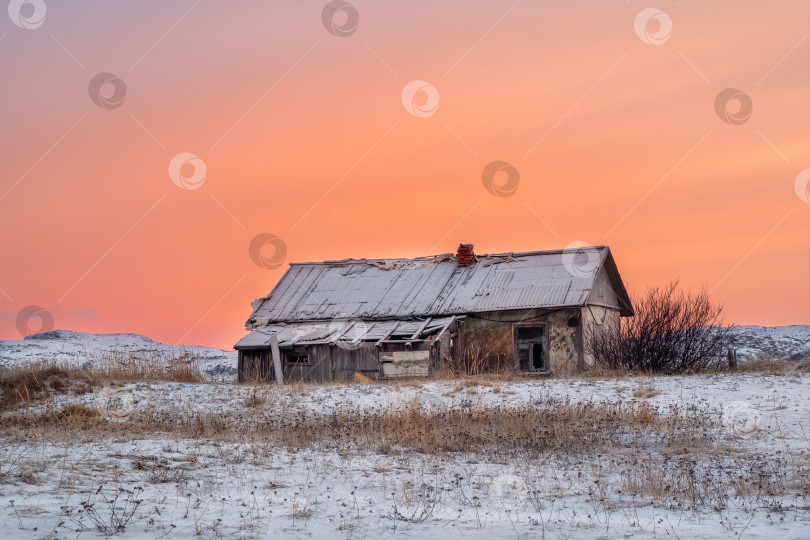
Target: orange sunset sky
(300, 121)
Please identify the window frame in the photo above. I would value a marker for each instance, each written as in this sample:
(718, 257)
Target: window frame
(289, 362)
(543, 340)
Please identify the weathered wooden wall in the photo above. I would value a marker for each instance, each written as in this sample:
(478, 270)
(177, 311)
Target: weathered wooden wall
(333, 363)
(254, 364)
(488, 336)
(336, 363)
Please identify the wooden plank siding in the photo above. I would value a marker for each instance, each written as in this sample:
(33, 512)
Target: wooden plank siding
(334, 363)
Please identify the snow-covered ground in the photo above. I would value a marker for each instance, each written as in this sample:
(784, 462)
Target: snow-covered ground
(80, 349)
(236, 491)
(212, 487)
(224, 487)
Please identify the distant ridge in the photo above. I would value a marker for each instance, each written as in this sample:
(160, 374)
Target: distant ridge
(81, 349)
(771, 341)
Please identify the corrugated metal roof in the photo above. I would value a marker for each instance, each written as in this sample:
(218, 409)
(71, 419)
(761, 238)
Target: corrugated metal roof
(344, 331)
(378, 289)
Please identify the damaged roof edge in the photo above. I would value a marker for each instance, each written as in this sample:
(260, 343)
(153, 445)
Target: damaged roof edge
(329, 333)
(421, 317)
(257, 303)
(429, 258)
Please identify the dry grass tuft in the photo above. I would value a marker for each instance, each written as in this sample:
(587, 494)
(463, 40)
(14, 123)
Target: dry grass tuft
(77, 411)
(27, 384)
(765, 366)
(604, 372)
(156, 367)
(254, 400)
(474, 361)
(646, 391)
(551, 425)
(23, 385)
(166, 475)
(71, 416)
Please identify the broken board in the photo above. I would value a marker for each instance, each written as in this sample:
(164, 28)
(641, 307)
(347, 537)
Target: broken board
(398, 364)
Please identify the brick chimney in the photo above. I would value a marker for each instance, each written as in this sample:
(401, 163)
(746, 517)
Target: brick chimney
(465, 255)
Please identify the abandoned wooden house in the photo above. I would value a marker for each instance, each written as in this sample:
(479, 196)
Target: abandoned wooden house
(392, 318)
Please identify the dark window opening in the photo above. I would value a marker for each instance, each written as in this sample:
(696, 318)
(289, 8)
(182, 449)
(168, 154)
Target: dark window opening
(524, 356)
(529, 332)
(530, 345)
(298, 359)
(573, 322)
(537, 356)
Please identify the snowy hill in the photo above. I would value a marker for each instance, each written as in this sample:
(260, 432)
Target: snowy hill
(80, 349)
(771, 341)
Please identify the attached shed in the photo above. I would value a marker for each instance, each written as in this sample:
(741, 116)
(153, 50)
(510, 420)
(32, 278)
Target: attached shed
(393, 318)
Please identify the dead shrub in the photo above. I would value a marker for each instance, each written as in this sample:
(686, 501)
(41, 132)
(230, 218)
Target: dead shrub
(108, 515)
(671, 332)
(474, 360)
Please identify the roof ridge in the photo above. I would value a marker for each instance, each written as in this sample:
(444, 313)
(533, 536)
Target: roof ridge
(432, 258)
